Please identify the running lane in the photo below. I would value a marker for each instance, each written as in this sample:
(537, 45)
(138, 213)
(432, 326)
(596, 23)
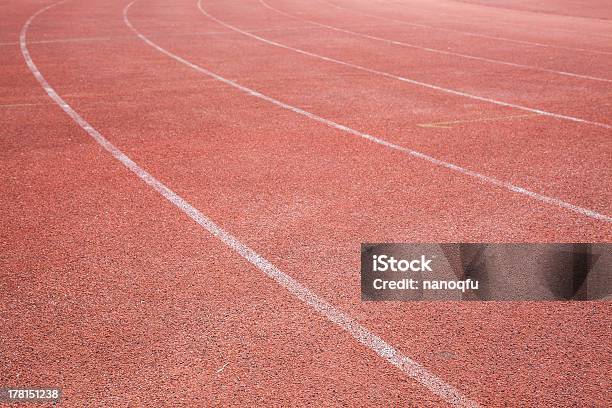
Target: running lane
(442, 41)
(221, 151)
(514, 23)
(540, 31)
(113, 295)
(597, 9)
(530, 88)
(486, 138)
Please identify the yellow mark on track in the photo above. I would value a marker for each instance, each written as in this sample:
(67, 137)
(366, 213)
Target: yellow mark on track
(448, 125)
(17, 105)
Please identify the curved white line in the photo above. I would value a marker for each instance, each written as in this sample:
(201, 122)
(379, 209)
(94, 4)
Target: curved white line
(481, 177)
(434, 50)
(410, 367)
(403, 79)
(468, 33)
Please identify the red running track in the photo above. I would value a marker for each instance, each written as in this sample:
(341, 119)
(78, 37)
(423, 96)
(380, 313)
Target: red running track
(114, 294)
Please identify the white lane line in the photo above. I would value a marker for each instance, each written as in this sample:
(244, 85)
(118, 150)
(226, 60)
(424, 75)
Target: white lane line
(434, 50)
(131, 37)
(481, 177)
(410, 367)
(403, 79)
(468, 33)
(20, 105)
(63, 40)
